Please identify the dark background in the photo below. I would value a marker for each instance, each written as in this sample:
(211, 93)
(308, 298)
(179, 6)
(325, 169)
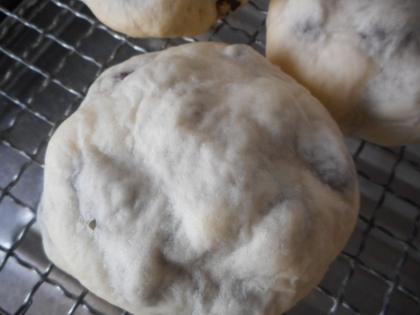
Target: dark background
(9, 5)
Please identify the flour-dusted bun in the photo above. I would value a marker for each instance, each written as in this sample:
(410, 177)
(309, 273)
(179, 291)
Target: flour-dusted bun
(161, 18)
(198, 180)
(360, 58)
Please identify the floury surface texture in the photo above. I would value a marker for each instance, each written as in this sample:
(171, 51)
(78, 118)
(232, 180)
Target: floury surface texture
(360, 58)
(191, 185)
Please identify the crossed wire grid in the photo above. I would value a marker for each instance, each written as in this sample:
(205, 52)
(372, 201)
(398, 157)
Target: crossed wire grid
(50, 53)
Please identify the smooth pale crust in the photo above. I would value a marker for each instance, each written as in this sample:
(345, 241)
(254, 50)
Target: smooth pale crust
(161, 18)
(192, 185)
(360, 58)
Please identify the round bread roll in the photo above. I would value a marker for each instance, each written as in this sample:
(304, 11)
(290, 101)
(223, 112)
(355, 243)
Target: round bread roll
(360, 58)
(187, 184)
(161, 18)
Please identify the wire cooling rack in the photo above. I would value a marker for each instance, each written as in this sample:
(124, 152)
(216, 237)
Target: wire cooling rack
(50, 53)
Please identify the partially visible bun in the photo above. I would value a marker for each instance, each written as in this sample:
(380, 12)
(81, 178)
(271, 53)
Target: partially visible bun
(161, 18)
(360, 58)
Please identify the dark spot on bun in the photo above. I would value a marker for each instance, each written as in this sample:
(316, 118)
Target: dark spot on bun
(378, 35)
(92, 224)
(308, 29)
(408, 39)
(226, 6)
(363, 35)
(123, 75)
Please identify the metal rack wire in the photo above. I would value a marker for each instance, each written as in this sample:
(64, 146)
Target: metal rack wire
(50, 53)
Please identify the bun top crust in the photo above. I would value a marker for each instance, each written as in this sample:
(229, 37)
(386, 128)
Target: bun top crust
(191, 185)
